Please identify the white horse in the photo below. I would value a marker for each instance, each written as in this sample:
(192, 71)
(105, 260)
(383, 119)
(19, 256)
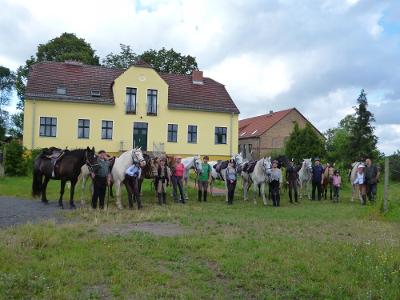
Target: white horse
(192, 162)
(84, 176)
(123, 162)
(258, 177)
(238, 158)
(353, 175)
(305, 176)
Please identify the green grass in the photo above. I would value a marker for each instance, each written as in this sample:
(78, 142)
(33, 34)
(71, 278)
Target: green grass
(307, 251)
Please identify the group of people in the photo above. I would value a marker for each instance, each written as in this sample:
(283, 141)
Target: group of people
(365, 180)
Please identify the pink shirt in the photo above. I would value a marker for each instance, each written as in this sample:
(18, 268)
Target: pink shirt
(179, 169)
(336, 180)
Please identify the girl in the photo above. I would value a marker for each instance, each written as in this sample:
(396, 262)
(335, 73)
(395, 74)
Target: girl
(275, 180)
(162, 181)
(230, 177)
(361, 184)
(336, 182)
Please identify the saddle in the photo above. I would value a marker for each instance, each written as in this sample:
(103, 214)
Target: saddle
(54, 155)
(249, 166)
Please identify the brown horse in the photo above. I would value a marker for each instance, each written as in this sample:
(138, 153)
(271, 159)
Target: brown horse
(65, 168)
(327, 181)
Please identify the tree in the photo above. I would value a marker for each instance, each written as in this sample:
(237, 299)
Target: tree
(304, 143)
(7, 80)
(122, 60)
(15, 164)
(165, 61)
(65, 47)
(16, 125)
(362, 141)
(394, 166)
(169, 61)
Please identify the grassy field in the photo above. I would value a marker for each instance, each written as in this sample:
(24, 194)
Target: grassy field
(308, 251)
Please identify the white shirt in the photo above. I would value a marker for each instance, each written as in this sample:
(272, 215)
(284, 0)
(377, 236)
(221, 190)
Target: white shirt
(360, 178)
(134, 170)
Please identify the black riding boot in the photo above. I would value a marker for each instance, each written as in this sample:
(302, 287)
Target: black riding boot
(364, 199)
(164, 197)
(159, 198)
(199, 195)
(290, 197)
(205, 196)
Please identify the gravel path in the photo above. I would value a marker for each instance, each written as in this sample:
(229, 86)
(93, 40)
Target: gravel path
(14, 211)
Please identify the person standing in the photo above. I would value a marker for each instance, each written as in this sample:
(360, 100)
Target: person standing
(361, 183)
(101, 179)
(230, 177)
(132, 175)
(204, 179)
(292, 178)
(336, 183)
(162, 180)
(372, 173)
(317, 172)
(275, 181)
(177, 179)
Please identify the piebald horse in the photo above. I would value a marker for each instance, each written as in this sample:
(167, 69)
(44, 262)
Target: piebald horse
(353, 175)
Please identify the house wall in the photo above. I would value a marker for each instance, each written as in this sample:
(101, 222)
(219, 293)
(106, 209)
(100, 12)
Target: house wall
(68, 113)
(255, 145)
(274, 138)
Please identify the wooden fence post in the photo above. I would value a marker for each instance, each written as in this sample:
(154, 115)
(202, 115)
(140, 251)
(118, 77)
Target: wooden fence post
(386, 186)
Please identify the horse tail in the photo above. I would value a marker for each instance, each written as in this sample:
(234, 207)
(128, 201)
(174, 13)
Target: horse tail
(36, 183)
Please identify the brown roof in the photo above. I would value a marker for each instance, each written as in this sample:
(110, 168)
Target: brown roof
(79, 80)
(256, 126)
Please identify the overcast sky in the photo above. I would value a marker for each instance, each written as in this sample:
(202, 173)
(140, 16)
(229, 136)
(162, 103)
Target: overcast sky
(314, 55)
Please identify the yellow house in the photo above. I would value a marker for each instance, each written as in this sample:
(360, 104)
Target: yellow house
(68, 104)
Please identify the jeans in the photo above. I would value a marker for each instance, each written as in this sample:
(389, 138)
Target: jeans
(177, 183)
(293, 187)
(316, 185)
(276, 198)
(231, 191)
(99, 185)
(371, 191)
(132, 186)
(336, 190)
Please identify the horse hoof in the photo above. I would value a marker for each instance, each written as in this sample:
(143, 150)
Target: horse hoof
(61, 206)
(72, 206)
(45, 202)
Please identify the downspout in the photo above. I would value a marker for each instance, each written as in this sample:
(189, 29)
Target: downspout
(231, 137)
(33, 124)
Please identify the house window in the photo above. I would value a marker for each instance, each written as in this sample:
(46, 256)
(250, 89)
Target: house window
(130, 100)
(192, 134)
(172, 133)
(83, 128)
(152, 102)
(61, 90)
(220, 135)
(106, 130)
(48, 126)
(250, 148)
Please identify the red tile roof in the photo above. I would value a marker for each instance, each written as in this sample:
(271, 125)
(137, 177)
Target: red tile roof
(79, 80)
(256, 126)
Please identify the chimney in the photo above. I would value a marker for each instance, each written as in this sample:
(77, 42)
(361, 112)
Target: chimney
(197, 77)
(73, 62)
(271, 112)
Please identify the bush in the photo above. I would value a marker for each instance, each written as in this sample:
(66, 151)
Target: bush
(30, 157)
(394, 166)
(15, 163)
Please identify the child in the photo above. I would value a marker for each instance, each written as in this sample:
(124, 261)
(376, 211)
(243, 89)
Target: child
(204, 179)
(230, 177)
(336, 182)
(162, 181)
(177, 176)
(361, 184)
(132, 175)
(275, 180)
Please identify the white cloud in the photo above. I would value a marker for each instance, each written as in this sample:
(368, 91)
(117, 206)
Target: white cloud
(270, 54)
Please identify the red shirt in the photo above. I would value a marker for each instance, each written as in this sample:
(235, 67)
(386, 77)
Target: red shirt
(179, 169)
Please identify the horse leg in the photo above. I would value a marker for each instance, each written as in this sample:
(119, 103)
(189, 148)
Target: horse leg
(60, 201)
(255, 187)
(245, 189)
(118, 194)
(263, 193)
(83, 189)
(44, 187)
(71, 194)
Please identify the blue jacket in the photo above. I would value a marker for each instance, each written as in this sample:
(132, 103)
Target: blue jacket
(317, 172)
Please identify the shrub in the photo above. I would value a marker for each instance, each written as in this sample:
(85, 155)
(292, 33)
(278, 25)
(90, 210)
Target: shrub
(15, 164)
(30, 157)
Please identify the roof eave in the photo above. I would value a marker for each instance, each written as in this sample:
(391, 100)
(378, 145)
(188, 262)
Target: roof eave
(202, 108)
(71, 99)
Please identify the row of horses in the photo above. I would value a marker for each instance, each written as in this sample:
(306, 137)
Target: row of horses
(79, 163)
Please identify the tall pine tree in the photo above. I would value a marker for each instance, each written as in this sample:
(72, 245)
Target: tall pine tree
(362, 141)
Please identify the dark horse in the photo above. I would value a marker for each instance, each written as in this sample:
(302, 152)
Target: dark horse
(67, 168)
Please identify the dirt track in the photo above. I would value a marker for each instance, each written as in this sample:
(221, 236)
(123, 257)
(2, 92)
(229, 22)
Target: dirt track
(14, 211)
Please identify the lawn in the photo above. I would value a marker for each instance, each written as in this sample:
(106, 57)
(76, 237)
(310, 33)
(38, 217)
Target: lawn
(314, 250)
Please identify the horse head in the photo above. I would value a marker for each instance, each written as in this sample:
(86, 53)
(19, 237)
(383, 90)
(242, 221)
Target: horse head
(197, 163)
(137, 157)
(90, 158)
(266, 164)
(238, 158)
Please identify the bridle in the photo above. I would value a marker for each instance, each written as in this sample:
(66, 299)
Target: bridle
(266, 166)
(135, 158)
(88, 163)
